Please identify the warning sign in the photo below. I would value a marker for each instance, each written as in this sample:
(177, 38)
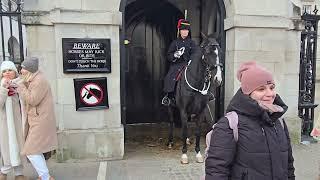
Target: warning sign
(91, 93)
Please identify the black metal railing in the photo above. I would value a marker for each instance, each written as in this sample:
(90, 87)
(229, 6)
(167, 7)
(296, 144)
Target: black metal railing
(307, 73)
(11, 28)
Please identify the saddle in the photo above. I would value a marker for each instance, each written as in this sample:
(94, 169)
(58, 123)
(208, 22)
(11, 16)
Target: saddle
(179, 74)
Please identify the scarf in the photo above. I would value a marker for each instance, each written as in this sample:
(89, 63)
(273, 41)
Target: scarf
(271, 108)
(12, 136)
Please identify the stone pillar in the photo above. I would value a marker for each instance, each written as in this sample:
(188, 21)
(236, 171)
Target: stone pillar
(264, 32)
(96, 134)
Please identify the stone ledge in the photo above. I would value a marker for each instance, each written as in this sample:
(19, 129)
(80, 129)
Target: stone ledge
(86, 17)
(36, 18)
(58, 16)
(98, 144)
(257, 22)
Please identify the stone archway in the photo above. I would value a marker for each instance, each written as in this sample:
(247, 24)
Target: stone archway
(228, 6)
(211, 22)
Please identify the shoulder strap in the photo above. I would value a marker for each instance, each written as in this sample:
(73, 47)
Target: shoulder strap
(233, 123)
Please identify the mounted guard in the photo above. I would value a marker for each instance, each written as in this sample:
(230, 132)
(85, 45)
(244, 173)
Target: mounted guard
(199, 79)
(179, 53)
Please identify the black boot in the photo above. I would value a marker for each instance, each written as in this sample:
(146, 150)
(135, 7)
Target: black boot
(166, 100)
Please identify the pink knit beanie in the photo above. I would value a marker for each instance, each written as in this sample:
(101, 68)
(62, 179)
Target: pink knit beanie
(252, 76)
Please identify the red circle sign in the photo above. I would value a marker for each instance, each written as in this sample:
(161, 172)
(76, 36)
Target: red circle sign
(91, 94)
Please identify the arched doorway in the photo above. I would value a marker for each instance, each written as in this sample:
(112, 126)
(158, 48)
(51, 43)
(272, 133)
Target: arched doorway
(148, 35)
(14, 49)
(148, 28)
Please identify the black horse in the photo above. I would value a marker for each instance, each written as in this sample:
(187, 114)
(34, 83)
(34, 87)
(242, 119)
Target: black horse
(202, 74)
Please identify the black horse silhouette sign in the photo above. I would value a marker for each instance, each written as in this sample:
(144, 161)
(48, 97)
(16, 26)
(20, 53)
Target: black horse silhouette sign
(91, 93)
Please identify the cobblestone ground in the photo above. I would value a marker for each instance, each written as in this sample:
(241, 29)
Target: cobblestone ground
(64, 171)
(154, 162)
(151, 160)
(307, 161)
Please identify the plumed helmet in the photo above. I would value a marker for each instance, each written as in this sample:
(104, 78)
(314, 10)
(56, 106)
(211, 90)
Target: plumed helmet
(183, 24)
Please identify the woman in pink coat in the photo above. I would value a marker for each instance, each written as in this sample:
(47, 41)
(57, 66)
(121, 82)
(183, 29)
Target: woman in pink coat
(11, 123)
(41, 134)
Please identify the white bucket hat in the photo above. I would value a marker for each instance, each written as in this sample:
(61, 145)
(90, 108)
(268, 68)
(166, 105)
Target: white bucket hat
(5, 65)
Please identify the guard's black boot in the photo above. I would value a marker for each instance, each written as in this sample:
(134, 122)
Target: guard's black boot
(166, 100)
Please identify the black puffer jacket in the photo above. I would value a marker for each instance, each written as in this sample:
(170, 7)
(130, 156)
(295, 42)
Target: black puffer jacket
(263, 150)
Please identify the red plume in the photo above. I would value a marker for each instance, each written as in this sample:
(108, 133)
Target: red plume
(179, 23)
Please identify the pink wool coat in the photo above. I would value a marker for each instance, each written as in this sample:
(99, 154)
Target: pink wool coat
(41, 134)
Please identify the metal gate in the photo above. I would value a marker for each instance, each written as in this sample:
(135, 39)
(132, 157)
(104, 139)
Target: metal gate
(11, 31)
(307, 73)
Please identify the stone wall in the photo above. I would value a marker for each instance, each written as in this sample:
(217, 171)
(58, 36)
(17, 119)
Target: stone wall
(96, 134)
(265, 33)
(256, 30)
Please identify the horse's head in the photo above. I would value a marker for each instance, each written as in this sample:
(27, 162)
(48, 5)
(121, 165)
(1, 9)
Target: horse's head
(211, 57)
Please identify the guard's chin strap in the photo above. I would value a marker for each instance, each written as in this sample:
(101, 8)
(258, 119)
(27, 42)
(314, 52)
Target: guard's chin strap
(206, 84)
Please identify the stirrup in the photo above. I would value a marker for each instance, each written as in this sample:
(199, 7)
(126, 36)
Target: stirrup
(166, 101)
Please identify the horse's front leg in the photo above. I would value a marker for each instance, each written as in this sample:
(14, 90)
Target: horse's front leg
(199, 157)
(184, 121)
(188, 141)
(170, 138)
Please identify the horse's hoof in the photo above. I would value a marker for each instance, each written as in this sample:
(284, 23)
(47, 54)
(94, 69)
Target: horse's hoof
(199, 158)
(184, 159)
(170, 145)
(188, 141)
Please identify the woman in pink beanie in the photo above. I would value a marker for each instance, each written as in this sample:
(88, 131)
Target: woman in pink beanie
(263, 150)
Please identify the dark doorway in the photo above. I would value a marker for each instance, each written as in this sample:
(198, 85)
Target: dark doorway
(148, 32)
(148, 28)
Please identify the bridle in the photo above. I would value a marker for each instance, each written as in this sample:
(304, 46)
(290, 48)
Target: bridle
(208, 73)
